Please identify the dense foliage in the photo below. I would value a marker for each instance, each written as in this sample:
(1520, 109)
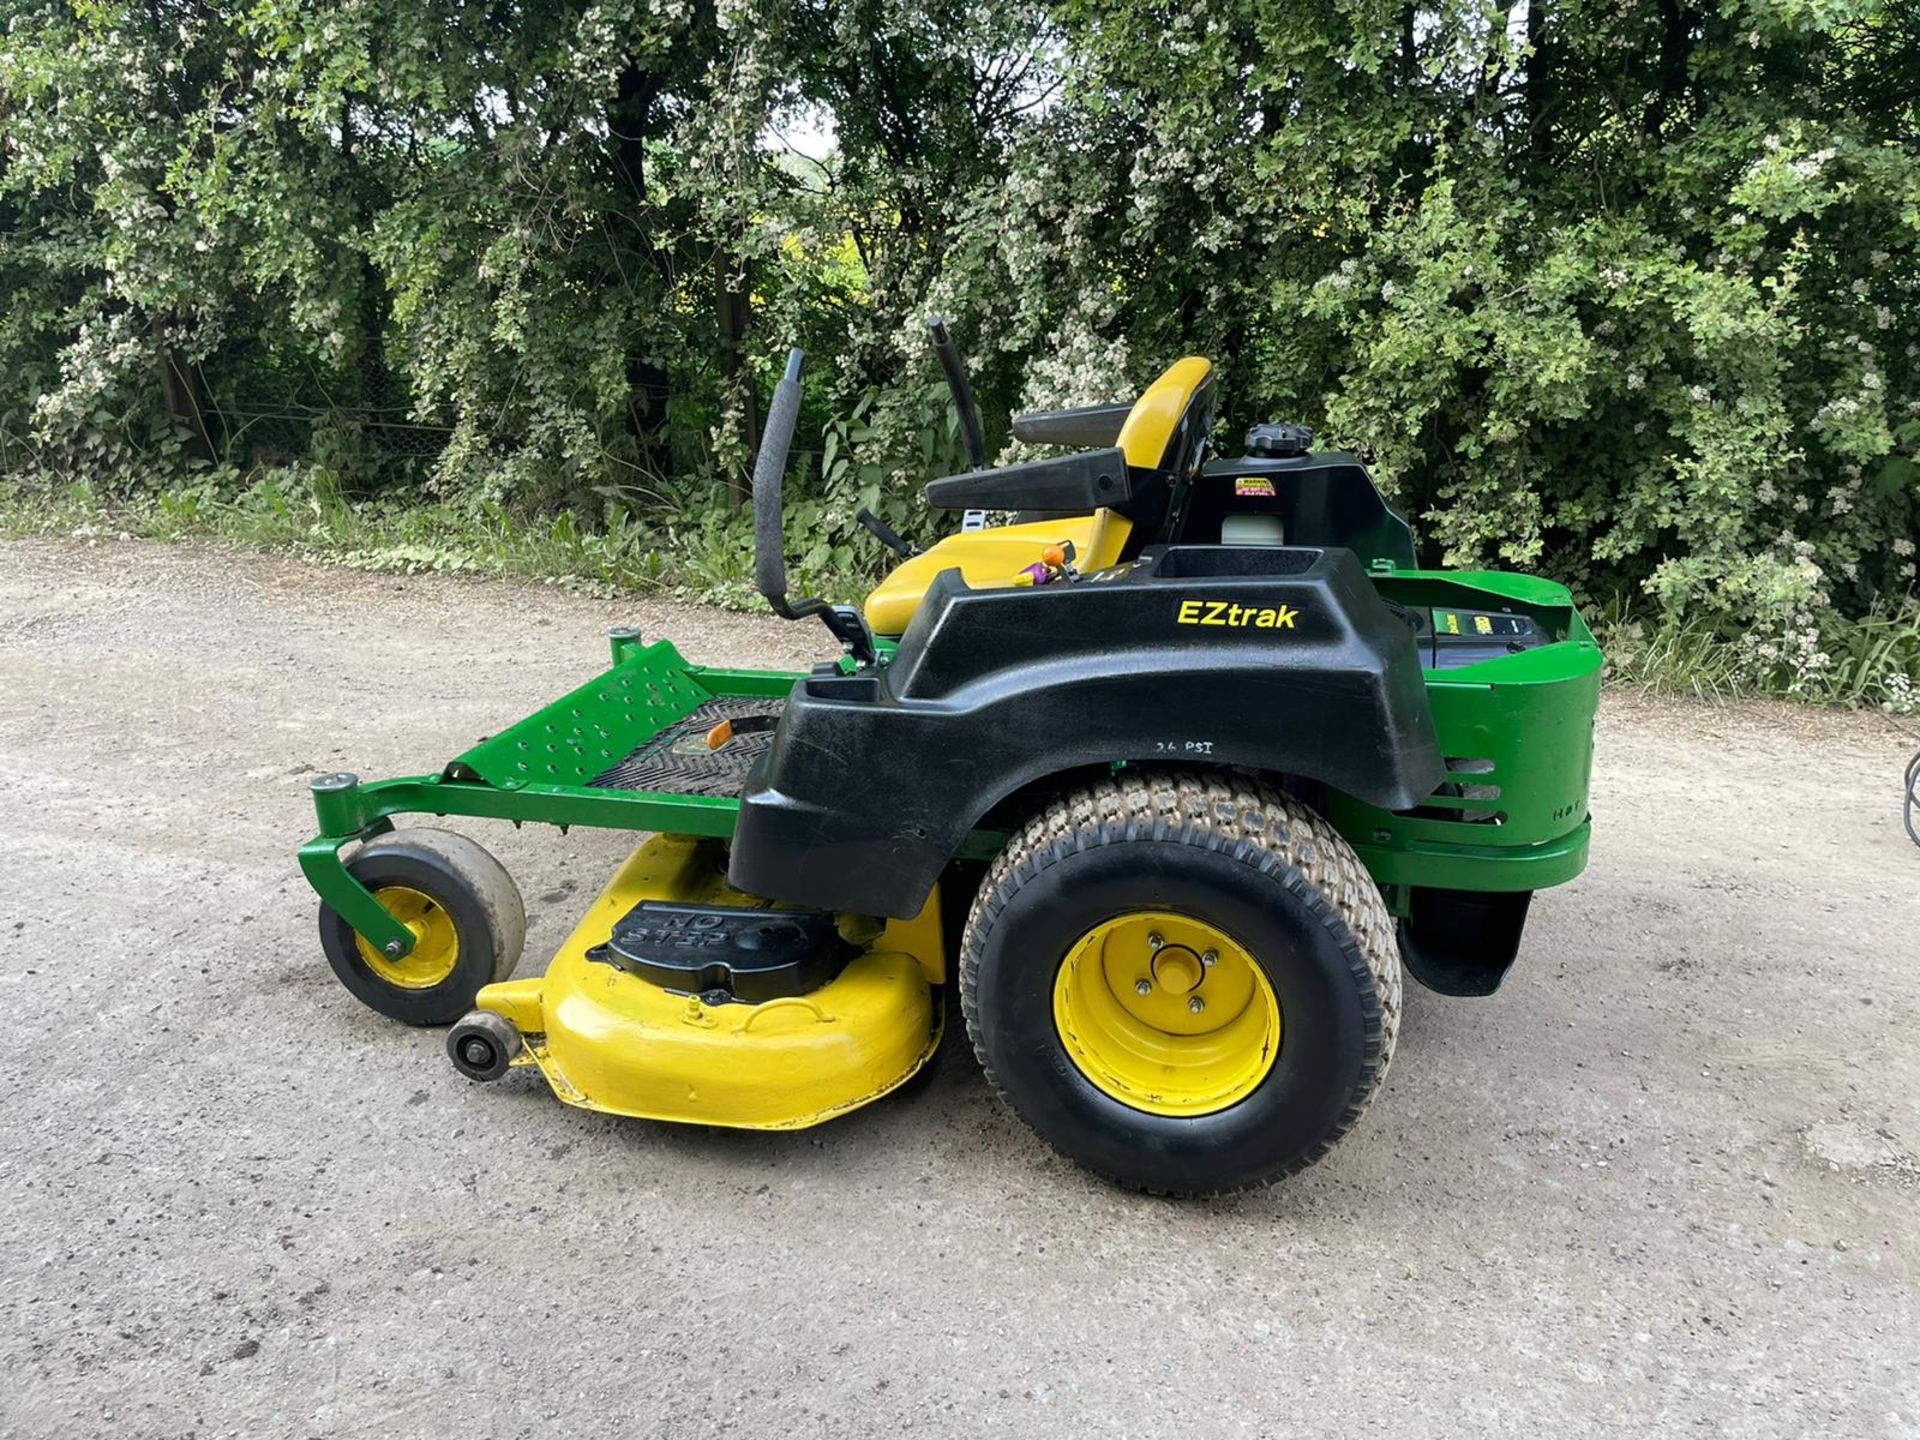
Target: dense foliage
(1620, 290)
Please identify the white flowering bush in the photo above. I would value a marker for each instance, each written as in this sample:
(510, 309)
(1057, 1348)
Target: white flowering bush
(1630, 304)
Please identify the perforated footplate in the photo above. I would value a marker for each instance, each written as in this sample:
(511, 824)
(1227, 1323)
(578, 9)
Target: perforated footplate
(677, 761)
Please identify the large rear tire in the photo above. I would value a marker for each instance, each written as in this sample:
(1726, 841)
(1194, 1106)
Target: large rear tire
(1185, 982)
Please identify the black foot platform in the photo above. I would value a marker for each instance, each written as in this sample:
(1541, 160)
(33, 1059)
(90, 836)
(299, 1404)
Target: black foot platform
(680, 760)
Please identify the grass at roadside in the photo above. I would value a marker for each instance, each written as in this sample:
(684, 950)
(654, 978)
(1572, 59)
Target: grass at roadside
(1866, 661)
(703, 556)
(706, 555)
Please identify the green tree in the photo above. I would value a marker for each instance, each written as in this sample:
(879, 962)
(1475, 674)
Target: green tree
(1622, 292)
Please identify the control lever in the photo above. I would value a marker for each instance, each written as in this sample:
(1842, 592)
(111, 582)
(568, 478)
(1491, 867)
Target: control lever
(885, 533)
(1055, 563)
(769, 537)
(955, 365)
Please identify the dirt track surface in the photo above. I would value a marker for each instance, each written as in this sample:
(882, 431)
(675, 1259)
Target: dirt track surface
(1665, 1182)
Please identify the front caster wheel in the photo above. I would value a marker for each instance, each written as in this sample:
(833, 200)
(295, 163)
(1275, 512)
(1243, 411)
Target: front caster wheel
(483, 1045)
(464, 910)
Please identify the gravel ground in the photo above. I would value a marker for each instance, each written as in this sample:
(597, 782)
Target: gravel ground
(1665, 1182)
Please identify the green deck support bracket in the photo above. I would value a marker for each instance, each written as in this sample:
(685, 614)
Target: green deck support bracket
(331, 880)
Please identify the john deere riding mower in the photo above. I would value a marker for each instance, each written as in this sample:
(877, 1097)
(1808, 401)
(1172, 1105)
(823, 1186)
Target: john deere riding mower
(1169, 778)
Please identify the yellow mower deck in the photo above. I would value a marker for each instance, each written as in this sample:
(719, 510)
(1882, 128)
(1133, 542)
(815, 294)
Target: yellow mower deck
(608, 1040)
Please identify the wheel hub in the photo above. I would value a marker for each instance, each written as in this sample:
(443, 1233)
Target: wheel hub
(1176, 969)
(1166, 1013)
(436, 945)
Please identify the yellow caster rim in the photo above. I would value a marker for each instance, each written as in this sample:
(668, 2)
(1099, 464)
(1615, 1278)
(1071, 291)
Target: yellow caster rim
(1166, 1014)
(436, 944)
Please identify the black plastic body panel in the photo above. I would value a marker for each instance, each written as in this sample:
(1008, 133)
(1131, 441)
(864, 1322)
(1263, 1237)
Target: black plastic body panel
(1277, 659)
(725, 952)
(1072, 483)
(1450, 638)
(1326, 499)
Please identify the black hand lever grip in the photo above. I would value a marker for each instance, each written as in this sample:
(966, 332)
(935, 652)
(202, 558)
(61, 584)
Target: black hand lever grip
(769, 469)
(884, 533)
(956, 368)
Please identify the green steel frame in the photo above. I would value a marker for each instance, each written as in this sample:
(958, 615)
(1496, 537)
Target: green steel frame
(537, 770)
(1518, 731)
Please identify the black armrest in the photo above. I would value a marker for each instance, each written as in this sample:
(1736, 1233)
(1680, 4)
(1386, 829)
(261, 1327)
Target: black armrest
(1072, 484)
(1089, 425)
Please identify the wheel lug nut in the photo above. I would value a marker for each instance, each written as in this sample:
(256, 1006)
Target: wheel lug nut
(1143, 987)
(1155, 941)
(394, 948)
(1196, 1005)
(1210, 959)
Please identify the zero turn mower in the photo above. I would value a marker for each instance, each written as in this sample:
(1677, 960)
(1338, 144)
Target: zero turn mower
(1169, 777)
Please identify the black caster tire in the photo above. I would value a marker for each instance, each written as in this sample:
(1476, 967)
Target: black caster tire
(482, 1046)
(467, 915)
(1185, 982)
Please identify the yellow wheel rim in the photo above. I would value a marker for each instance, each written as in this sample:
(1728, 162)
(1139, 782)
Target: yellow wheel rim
(1166, 1014)
(436, 944)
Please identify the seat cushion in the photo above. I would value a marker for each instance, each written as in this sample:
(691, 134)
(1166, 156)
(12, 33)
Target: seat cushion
(992, 557)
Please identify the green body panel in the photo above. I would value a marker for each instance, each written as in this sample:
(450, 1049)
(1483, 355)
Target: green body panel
(1517, 734)
(1522, 723)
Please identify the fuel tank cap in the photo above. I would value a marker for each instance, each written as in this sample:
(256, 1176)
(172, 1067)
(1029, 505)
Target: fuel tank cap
(1278, 440)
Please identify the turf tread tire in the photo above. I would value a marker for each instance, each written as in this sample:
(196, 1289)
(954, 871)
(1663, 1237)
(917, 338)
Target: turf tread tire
(1252, 824)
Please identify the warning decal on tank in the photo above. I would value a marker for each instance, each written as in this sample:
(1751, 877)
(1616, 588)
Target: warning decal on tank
(1252, 485)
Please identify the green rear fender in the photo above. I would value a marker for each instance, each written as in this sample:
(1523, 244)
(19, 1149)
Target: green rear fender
(1516, 735)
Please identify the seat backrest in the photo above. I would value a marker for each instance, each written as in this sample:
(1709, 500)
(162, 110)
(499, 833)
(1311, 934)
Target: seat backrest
(1172, 416)
(1161, 437)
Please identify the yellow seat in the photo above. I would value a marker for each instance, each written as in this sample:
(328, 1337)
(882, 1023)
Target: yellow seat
(988, 558)
(992, 557)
